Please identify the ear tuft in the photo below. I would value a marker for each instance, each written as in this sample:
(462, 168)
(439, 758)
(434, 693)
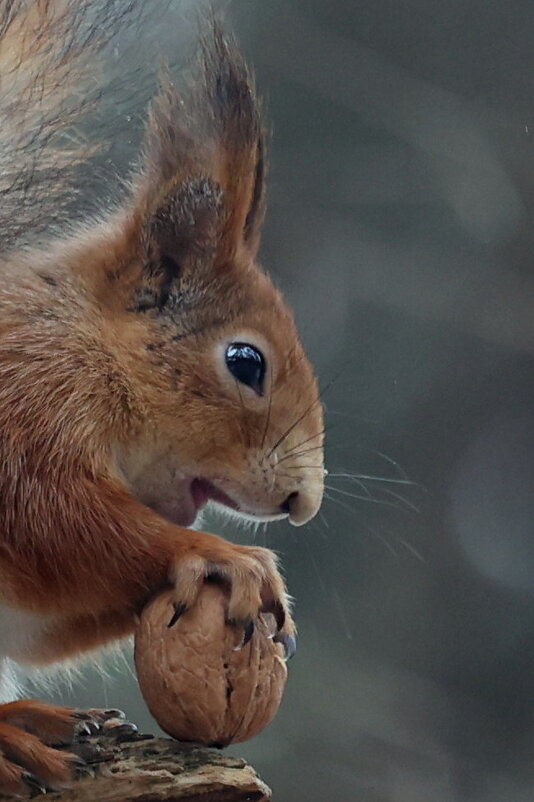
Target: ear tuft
(211, 129)
(240, 147)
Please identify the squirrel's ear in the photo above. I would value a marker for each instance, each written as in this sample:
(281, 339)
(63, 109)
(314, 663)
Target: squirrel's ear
(178, 231)
(206, 145)
(185, 223)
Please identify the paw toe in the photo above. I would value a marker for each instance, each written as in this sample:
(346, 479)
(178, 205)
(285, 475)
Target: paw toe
(12, 779)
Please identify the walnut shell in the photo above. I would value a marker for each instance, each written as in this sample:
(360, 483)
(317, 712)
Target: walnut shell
(196, 685)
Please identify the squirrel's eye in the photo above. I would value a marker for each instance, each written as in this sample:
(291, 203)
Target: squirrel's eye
(247, 365)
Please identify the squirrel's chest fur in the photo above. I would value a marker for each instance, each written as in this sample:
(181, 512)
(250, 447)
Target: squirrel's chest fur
(20, 632)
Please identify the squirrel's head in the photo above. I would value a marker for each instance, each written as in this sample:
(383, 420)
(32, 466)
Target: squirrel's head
(230, 409)
(233, 413)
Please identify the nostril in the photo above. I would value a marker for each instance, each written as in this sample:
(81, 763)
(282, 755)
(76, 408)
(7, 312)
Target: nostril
(286, 505)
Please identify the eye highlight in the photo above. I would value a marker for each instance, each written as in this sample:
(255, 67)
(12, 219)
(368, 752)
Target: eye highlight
(247, 365)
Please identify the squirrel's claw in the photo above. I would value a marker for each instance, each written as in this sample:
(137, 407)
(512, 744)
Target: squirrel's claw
(248, 632)
(102, 715)
(179, 610)
(289, 642)
(35, 785)
(279, 614)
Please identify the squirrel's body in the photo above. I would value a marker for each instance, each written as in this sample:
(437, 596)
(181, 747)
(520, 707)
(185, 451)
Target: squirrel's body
(19, 630)
(147, 365)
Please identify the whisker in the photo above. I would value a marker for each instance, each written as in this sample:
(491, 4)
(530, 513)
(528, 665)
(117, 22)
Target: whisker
(306, 412)
(359, 479)
(286, 475)
(242, 410)
(295, 423)
(268, 419)
(369, 498)
(368, 478)
(356, 495)
(303, 443)
(390, 460)
(372, 531)
(401, 541)
(411, 549)
(299, 453)
(360, 484)
(288, 467)
(319, 574)
(403, 500)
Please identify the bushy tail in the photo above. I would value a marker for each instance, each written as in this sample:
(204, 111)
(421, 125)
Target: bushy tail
(49, 82)
(55, 68)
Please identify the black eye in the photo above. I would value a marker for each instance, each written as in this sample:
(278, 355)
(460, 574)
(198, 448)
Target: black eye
(247, 365)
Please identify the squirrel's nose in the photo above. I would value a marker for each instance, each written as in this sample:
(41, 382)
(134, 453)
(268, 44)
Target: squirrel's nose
(287, 505)
(300, 507)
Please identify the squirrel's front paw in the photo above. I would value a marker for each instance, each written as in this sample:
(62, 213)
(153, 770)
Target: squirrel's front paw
(255, 583)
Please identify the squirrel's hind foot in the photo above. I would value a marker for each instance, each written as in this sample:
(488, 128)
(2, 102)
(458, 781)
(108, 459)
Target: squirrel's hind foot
(29, 731)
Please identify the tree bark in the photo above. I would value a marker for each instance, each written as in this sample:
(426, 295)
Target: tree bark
(123, 766)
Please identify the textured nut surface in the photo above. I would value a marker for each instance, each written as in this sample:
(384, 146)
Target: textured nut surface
(195, 683)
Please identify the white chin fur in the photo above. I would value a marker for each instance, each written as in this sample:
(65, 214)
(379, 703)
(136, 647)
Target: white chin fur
(241, 515)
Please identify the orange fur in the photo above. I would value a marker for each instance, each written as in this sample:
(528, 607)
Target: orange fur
(115, 396)
(54, 724)
(23, 754)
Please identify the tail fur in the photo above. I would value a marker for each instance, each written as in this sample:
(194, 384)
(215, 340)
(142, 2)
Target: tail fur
(52, 76)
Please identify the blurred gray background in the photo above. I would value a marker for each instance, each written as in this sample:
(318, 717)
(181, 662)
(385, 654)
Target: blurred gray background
(400, 227)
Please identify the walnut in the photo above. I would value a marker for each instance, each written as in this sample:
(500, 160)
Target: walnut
(196, 684)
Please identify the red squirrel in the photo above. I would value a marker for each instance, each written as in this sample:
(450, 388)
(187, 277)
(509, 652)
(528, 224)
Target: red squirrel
(148, 365)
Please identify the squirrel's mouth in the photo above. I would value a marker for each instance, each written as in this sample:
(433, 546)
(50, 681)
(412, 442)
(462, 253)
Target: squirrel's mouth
(203, 491)
(181, 503)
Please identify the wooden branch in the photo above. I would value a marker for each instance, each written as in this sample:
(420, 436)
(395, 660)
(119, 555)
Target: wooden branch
(123, 766)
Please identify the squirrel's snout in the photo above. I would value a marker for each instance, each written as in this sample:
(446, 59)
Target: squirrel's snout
(301, 506)
(290, 502)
